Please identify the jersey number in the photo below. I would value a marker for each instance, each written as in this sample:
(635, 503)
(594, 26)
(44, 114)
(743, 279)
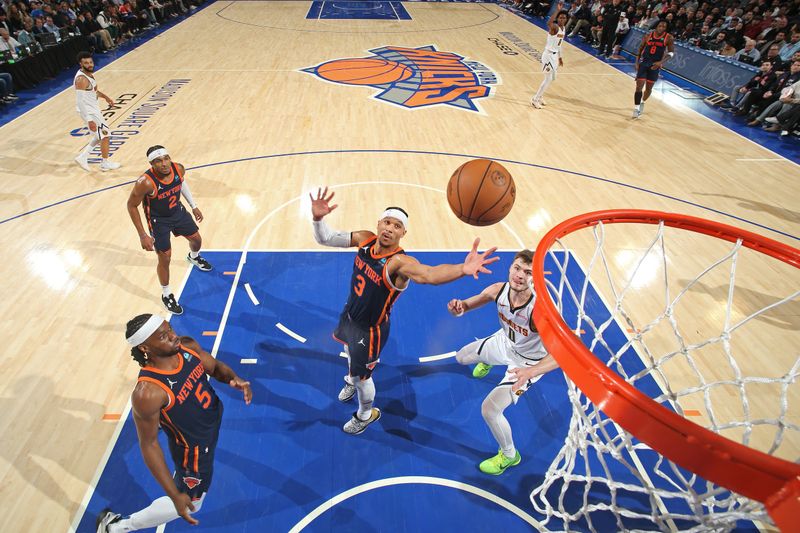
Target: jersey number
(512, 336)
(653, 49)
(202, 396)
(173, 201)
(359, 286)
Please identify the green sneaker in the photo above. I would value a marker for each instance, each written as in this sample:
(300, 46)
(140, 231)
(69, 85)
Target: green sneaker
(481, 370)
(499, 463)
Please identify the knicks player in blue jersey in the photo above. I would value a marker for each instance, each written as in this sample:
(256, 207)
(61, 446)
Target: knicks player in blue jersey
(649, 61)
(159, 190)
(381, 272)
(173, 392)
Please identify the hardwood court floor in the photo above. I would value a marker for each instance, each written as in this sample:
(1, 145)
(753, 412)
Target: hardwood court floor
(75, 273)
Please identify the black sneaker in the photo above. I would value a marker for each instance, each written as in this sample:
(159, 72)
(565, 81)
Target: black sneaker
(172, 304)
(105, 519)
(200, 263)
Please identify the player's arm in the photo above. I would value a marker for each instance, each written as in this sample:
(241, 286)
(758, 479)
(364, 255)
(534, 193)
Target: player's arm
(639, 53)
(551, 24)
(406, 267)
(219, 370)
(529, 372)
(142, 187)
(147, 400)
(187, 193)
(324, 235)
(489, 294)
(105, 97)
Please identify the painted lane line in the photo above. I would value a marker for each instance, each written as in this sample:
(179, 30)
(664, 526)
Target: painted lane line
(429, 358)
(289, 332)
(762, 159)
(248, 361)
(250, 294)
(406, 480)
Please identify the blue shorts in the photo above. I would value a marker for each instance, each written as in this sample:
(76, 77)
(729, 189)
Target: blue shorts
(649, 75)
(364, 344)
(195, 478)
(180, 224)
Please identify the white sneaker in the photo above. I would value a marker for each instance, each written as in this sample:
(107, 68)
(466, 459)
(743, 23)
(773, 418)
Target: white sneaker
(636, 113)
(109, 165)
(356, 425)
(83, 162)
(541, 101)
(771, 120)
(105, 519)
(536, 103)
(347, 392)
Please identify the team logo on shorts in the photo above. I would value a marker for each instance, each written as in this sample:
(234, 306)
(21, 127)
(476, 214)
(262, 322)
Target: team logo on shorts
(191, 482)
(414, 77)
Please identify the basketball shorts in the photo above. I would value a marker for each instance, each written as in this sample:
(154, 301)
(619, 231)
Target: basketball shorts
(179, 224)
(103, 130)
(550, 62)
(194, 468)
(496, 350)
(364, 344)
(650, 75)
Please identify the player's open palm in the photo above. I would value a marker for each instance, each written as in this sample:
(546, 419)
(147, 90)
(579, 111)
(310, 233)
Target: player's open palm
(475, 263)
(320, 206)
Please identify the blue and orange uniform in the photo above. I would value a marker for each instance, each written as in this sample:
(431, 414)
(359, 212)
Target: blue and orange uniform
(164, 211)
(191, 420)
(364, 322)
(653, 51)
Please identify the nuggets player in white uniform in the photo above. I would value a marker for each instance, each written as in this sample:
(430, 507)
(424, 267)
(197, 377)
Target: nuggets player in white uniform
(516, 345)
(86, 94)
(551, 57)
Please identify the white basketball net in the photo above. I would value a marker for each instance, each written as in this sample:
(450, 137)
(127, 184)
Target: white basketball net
(604, 479)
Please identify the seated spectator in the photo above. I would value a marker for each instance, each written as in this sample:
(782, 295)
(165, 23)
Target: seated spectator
(50, 25)
(780, 40)
(748, 54)
(648, 21)
(717, 44)
(38, 26)
(8, 43)
(90, 28)
(580, 18)
(787, 120)
(788, 49)
(597, 31)
(689, 34)
(727, 50)
(772, 92)
(785, 102)
(739, 92)
(755, 88)
(622, 30)
(7, 88)
(36, 9)
(25, 36)
(14, 19)
(773, 57)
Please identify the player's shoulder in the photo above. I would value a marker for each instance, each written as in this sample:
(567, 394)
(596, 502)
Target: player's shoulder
(189, 342)
(494, 289)
(147, 397)
(146, 181)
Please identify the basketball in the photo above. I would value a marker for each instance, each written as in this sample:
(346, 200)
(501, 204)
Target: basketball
(481, 192)
(363, 71)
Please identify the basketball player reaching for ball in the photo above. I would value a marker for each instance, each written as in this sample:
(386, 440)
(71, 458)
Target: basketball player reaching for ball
(516, 344)
(381, 272)
(86, 93)
(174, 393)
(649, 61)
(160, 189)
(551, 57)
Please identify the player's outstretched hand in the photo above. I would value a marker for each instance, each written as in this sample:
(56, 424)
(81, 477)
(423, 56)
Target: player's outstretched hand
(320, 206)
(244, 386)
(183, 504)
(475, 263)
(456, 307)
(198, 215)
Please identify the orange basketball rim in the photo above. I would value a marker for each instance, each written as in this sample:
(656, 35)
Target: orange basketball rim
(751, 473)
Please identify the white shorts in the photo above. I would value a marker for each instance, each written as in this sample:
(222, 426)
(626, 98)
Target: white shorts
(550, 62)
(103, 130)
(496, 350)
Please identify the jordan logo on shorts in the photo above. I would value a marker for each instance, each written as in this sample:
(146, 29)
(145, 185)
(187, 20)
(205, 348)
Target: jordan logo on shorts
(361, 342)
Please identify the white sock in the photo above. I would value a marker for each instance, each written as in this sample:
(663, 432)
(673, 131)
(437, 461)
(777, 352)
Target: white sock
(159, 512)
(89, 147)
(548, 79)
(366, 396)
(641, 106)
(193, 255)
(492, 410)
(165, 290)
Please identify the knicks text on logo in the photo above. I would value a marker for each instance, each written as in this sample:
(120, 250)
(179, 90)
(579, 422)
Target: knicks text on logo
(414, 77)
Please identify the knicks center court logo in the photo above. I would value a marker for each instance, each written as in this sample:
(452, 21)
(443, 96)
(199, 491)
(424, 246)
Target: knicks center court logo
(414, 77)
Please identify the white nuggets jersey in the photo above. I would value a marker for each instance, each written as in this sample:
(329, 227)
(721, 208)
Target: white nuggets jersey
(517, 325)
(553, 44)
(86, 101)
